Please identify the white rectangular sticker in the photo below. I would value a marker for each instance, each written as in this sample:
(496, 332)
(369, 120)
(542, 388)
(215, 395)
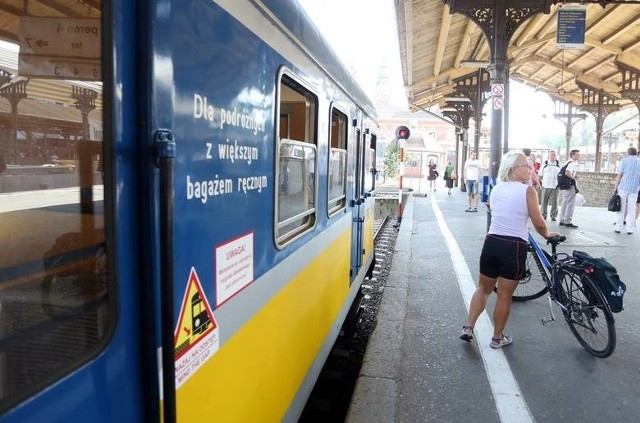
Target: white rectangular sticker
(234, 266)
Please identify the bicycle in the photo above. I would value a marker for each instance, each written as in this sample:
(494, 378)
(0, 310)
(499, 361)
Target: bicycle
(570, 285)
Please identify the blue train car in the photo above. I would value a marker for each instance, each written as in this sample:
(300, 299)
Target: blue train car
(186, 209)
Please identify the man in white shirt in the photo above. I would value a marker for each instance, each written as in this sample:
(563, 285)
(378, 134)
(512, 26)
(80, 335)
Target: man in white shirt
(569, 195)
(472, 180)
(627, 185)
(549, 179)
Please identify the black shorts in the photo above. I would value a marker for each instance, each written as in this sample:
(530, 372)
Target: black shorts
(503, 256)
(638, 200)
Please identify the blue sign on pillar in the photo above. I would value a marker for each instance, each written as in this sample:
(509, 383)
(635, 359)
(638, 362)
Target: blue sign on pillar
(572, 22)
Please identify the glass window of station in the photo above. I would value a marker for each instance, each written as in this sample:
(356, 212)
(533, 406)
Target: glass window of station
(54, 308)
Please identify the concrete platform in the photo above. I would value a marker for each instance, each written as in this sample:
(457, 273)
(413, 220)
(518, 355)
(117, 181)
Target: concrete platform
(417, 370)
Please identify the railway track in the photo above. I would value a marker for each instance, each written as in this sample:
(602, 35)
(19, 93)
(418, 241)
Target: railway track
(331, 396)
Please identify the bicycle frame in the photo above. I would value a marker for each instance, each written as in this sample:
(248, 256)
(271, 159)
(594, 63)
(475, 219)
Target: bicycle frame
(552, 277)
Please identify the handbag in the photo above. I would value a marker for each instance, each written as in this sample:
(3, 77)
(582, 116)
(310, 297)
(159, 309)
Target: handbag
(614, 203)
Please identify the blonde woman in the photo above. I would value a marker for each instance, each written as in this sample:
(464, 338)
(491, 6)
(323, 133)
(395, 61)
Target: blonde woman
(502, 261)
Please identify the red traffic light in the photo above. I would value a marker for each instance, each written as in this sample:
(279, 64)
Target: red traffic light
(402, 133)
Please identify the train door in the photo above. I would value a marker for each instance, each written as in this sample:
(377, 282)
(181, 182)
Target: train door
(70, 339)
(357, 203)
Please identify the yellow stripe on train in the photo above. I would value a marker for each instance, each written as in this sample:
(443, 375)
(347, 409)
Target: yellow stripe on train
(256, 374)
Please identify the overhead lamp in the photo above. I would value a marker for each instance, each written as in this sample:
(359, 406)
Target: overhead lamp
(474, 64)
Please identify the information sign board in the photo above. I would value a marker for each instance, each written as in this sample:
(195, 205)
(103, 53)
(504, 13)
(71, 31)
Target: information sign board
(61, 37)
(572, 21)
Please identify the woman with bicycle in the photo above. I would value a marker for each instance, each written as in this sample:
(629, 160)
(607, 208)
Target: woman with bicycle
(503, 256)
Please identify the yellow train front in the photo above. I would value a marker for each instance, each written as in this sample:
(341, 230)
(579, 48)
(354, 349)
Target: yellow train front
(209, 225)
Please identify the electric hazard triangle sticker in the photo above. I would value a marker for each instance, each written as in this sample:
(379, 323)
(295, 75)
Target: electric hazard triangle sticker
(196, 336)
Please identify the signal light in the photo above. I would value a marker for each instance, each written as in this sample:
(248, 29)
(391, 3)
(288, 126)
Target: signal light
(402, 133)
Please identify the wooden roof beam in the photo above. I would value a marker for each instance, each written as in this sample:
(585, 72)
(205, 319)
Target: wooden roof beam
(627, 26)
(545, 29)
(604, 16)
(599, 64)
(442, 39)
(631, 46)
(452, 73)
(408, 13)
(531, 26)
(546, 81)
(552, 36)
(464, 47)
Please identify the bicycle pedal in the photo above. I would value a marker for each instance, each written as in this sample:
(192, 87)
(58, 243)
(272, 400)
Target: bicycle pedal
(546, 320)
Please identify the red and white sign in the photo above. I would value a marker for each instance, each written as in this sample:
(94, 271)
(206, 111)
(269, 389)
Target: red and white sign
(234, 267)
(498, 103)
(497, 89)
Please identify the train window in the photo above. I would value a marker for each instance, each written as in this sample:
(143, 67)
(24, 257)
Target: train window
(296, 191)
(369, 163)
(53, 275)
(338, 161)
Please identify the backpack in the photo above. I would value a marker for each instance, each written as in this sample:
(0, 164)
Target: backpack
(564, 182)
(606, 279)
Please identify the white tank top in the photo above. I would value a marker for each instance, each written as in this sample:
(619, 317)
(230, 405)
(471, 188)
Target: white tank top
(509, 212)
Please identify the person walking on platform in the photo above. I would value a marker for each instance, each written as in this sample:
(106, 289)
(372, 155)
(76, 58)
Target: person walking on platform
(549, 179)
(433, 175)
(449, 176)
(503, 256)
(569, 195)
(627, 185)
(472, 179)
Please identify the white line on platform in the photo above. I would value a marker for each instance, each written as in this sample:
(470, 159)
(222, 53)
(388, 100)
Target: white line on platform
(509, 401)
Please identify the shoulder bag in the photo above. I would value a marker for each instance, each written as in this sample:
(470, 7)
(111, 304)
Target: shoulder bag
(614, 203)
(564, 182)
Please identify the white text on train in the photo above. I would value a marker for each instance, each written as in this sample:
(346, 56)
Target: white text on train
(217, 186)
(246, 119)
(235, 152)
(208, 188)
(251, 183)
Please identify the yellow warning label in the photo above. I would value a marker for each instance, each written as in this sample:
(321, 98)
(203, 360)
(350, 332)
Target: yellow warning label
(195, 338)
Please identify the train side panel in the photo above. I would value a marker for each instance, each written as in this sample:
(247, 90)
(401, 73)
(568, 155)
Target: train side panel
(276, 306)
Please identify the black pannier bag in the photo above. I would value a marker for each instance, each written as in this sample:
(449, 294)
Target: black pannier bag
(606, 279)
(564, 182)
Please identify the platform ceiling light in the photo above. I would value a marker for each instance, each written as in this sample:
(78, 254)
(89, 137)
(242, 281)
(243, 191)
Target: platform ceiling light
(474, 64)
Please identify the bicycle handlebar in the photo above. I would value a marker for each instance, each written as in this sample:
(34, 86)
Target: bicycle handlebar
(557, 239)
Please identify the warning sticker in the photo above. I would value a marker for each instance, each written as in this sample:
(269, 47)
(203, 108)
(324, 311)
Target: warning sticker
(234, 267)
(196, 337)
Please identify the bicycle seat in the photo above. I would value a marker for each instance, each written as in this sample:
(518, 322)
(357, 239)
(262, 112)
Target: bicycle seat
(557, 239)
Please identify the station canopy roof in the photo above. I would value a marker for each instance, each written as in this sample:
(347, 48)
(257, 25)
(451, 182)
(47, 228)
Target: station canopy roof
(436, 48)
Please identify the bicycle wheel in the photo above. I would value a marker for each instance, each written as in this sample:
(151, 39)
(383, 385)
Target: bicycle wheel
(534, 284)
(587, 314)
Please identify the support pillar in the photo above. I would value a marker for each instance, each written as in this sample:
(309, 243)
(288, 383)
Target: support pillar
(499, 20)
(460, 112)
(14, 92)
(600, 105)
(566, 113)
(630, 87)
(85, 102)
